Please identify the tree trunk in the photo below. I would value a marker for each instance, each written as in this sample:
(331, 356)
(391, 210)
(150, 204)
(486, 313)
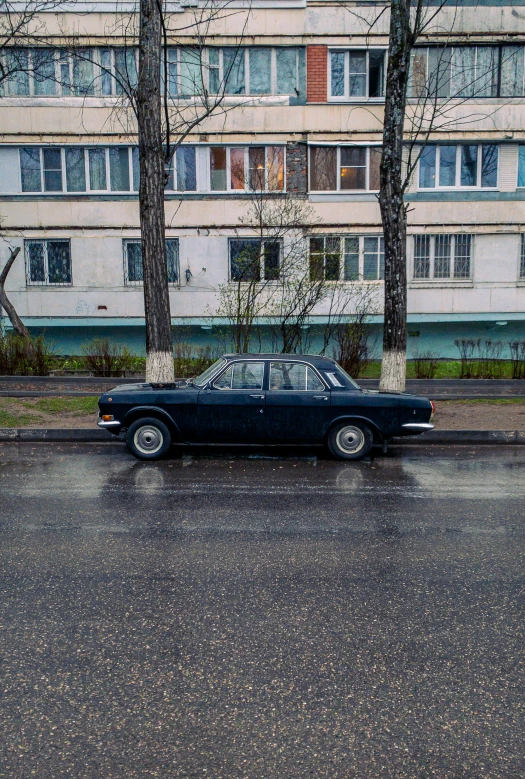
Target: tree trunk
(393, 212)
(159, 349)
(17, 323)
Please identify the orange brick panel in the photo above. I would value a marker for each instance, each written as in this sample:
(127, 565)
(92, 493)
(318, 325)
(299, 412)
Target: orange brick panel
(316, 74)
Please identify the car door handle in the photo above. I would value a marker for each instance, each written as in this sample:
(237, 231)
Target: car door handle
(260, 397)
(320, 397)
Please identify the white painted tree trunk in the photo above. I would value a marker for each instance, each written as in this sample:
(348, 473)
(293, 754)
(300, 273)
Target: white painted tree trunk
(393, 372)
(160, 368)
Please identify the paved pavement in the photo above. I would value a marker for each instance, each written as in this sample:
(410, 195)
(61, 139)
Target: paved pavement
(262, 618)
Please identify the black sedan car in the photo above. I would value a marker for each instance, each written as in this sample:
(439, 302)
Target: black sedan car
(262, 399)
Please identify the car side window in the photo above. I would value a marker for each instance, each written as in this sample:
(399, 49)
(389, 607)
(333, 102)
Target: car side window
(313, 382)
(241, 375)
(294, 376)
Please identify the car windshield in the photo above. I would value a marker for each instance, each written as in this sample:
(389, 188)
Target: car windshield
(350, 379)
(201, 380)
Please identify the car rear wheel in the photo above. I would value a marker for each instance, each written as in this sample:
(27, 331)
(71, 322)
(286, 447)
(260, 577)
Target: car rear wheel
(350, 440)
(148, 439)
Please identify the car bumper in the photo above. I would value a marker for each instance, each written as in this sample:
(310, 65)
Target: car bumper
(114, 427)
(415, 428)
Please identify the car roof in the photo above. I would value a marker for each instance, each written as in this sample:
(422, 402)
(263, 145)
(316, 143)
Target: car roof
(314, 359)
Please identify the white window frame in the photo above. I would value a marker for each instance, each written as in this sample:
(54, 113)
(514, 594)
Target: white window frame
(458, 187)
(246, 149)
(451, 278)
(46, 283)
(361, 256)
(368, 146)
(521, 266)
(347, 98)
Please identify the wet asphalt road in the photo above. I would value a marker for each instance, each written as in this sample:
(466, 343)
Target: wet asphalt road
(262, 618)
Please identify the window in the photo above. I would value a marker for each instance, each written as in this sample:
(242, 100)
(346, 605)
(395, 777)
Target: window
(45, 72)
(246, 168)
(254, 260)
(468, 71)
(344, 168)
(133, 273)
(347, 258)
(241, 376)
(75, 169)
(464, 165)
(357, 73)
(522, 257)
(294, 376)
(183, 172)
(442, 256)
(48, 262)
(254, 70)
(521, 166)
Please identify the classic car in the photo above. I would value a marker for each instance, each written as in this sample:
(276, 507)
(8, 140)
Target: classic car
(262, 399)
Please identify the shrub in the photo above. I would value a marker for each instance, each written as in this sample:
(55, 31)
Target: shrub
(425, 365)
(517, 354)
(467, 348)
(352, 351)
(102, 358)
(189, 363)
(21, 356)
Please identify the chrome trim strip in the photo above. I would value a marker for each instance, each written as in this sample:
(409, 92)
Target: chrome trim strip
(418, 426)
(115, 423)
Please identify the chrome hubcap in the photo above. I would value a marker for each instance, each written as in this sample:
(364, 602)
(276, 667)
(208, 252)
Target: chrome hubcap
(350, 439)
(148, 439)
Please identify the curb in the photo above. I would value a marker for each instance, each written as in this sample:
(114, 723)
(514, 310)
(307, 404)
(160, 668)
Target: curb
(87, 435)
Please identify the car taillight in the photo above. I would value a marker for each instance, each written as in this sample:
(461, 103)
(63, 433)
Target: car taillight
(433, 407)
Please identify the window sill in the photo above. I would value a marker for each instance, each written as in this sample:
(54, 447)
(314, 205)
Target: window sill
(356, 100)
(427, 283)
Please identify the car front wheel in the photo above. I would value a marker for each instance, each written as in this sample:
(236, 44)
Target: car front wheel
(350, 440)
(148, 439)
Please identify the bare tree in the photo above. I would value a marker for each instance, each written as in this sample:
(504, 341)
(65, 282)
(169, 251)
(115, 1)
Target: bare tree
(15, 320)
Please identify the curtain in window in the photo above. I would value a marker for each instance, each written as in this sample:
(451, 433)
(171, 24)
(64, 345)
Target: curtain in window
(172, 68)
(190, 72)
(421, 256)
(375, 163)
(119, 170)
(521, 166)
(134, 261)
(463, 71)
(30, 170)
(75, 170)
(357, 60)
(17, 69)
(486, 84)
(186, 169)
(351, 259)
(338, 73)
(323, 164)
(97, 169)
(286, 62)
(233, 68)
(214, 73)
(417, 84)
(257, 167)
(44, 71)
(371, 258)
(36, 262)
(275, 167)
(260, 70)
(245, 259)
(58, 262)
(65, 75)
(125, 70)
(172, 260)
(83, 74)
(237, 173)
(512, 71)
(136, 169)
(353, 167)
(106, 78)
(439, 71)
(218, 168)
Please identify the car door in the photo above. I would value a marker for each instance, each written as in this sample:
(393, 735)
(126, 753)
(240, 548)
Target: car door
(232, 408)
(297, 403)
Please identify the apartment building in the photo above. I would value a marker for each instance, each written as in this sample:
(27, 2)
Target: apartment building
(302, 113)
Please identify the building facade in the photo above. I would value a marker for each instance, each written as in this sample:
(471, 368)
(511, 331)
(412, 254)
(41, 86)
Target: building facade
(302, 107)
